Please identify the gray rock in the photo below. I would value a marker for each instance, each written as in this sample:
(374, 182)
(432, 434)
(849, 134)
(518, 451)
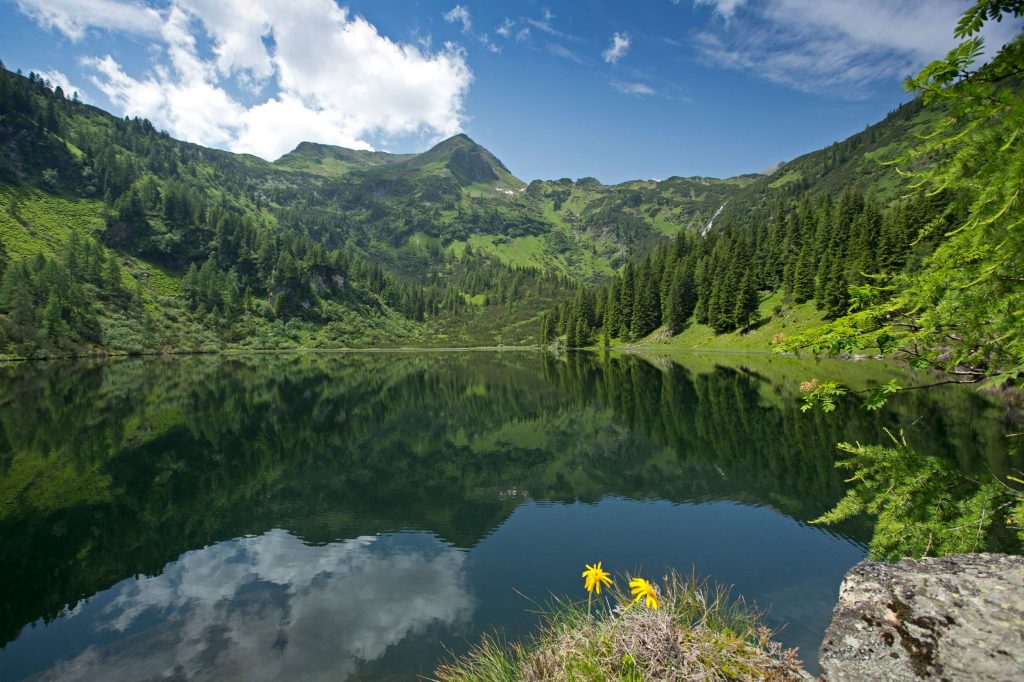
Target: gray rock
(950, 618)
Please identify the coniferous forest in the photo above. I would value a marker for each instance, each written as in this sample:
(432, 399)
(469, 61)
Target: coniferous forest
(902, 240)
(183, 249)
(820, 249)
(400, 501)
(119, 239)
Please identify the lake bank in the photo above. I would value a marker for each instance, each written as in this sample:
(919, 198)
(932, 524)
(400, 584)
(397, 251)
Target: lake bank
(151, 498)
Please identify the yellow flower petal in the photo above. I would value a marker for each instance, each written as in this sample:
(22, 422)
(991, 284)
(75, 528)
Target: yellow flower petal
(594, 577)
(642, 589)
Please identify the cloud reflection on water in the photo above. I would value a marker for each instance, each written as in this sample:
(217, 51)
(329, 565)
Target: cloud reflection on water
(271, 607)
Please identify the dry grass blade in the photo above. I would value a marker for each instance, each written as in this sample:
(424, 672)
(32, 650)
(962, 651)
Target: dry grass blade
(699, 633)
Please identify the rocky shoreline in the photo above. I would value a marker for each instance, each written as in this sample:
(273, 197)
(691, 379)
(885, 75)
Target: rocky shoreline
(950, 618)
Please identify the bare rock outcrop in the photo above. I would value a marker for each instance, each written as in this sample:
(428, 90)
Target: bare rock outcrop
(950, 618)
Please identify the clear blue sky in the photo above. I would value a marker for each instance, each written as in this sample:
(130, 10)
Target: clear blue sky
(617, 90)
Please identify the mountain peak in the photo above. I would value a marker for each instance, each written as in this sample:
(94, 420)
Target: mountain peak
(459, 140)
(469, 162)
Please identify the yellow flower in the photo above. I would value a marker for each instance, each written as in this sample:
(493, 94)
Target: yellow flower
(642, 589)
(593, 577)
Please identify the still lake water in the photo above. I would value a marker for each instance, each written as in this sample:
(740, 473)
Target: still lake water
(357, 515)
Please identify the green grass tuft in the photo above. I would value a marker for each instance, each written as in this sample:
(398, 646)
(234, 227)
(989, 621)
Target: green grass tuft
(698, 633)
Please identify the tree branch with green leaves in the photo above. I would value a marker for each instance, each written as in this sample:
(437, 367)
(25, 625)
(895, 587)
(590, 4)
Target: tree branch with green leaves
(961, 313)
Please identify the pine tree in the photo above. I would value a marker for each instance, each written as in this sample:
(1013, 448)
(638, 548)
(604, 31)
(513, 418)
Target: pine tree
(681, 299)
(113, 277)
(722, 306)
(718, 306)
(73, 255)
(563, 319)
(612, 311)
(835, 298)
(791, 252)
(626, 302)
(17, 299)
(646, 307)
(584, 335)
(702, 282)
(546, 330)
(190, 286)
(55, 328)
(746, 302)
(571, 329)
(232, 297)
(803, 274)
(50, 119)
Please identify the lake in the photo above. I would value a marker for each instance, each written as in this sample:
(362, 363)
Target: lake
(361, 515)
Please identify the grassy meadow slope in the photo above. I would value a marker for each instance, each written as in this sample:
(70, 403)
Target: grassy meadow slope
(777, 320)
(443, 247)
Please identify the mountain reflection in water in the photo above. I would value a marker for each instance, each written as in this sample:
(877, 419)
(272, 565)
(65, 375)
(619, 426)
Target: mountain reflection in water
(360, 515)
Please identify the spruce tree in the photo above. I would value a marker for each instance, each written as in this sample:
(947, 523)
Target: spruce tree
(704, 292)
(612, 314)
(626, 301)
(746, 302)
(647, 307)
(584, 336)
(546, 331)
(113, 276)
(55, 328)
(681, 299)
(803, 274)
(563, 319)
(791, 253)
(572, 327)
(17, 299)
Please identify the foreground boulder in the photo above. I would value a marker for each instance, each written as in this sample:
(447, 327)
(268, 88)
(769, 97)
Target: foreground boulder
(950, 618)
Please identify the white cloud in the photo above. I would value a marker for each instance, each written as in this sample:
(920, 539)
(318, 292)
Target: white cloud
(833, 45)
(260, 128)
(546, 24)
(726, 8)
(505, 29)
(459, 13)
(274, 608)
(485, 40)
(632, 88)
(73, 17)
(182, 99)
(565, 53)
(352, 86)
(237, 28)
(618, 49)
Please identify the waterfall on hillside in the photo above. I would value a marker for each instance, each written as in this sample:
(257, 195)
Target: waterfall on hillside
(707, 228)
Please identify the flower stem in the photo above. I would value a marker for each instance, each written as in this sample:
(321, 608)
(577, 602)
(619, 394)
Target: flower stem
(619, 619)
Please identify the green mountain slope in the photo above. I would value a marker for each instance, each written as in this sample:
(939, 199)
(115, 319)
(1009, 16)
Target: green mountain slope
(446, 246)
(324, 159)
(465, 160)
(783, 252)
(860, 162)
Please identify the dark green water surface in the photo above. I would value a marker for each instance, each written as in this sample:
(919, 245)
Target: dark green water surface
(355, 516)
